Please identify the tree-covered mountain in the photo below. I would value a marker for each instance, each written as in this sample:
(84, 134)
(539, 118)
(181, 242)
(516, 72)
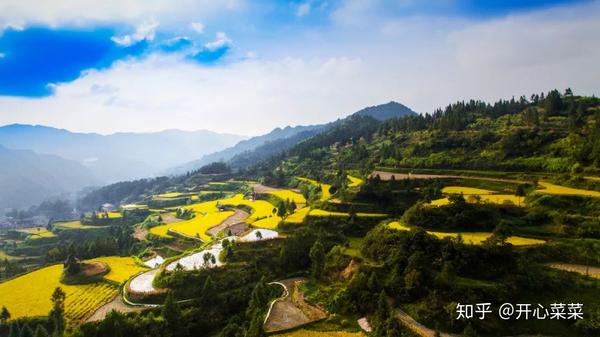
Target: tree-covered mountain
(244, 147)
(386, 111)
(119, 156)
(252, 151)
(552, 132)
(28, 178)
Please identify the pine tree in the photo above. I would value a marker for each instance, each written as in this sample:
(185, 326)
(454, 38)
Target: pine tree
(317, 258)
(4, 315)
(40, 331)
(56, 315)
(171, 312)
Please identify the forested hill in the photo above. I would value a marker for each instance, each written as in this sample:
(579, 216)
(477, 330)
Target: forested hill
(554, 132)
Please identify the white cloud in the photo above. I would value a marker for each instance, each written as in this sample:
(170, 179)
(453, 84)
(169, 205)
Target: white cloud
(144, 31)
(423, 62)
(198, 27)
(84, 12)
(220, 41)
(303, 9)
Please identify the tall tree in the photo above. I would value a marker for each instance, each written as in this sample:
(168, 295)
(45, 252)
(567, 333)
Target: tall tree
(57, 313)
(317, 258)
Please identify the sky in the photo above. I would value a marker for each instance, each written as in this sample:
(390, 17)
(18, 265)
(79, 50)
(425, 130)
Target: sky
(246, 67)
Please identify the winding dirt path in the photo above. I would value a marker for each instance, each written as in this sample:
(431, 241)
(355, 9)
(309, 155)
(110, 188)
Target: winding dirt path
(417, 327)
(236, 219)
(577, 268)
(260, 188)
(384, 175)
(116, 304)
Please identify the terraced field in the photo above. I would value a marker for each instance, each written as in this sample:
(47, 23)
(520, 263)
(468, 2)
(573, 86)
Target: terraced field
(4, 256)
(354, 181)
(298, 216)
(121, 268)
(195, 227)
(465, 190)
(325, 193)
(269, 223)
(29, 295)
(75, 225)
(563, 190)
(474, 238)
(289, 195)
(473, 194)
(37, 232)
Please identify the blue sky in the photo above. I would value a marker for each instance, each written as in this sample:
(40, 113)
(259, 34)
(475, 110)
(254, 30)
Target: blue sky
(82, 62)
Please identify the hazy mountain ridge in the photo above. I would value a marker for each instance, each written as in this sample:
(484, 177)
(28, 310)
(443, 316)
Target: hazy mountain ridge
(118, 156)
(244, 146)
(28, 178)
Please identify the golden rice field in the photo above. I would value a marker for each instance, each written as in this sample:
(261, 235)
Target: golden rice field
(29, 295)
(4, 256)
(260, 208)
(170, 195)
(195, 227)
(288, 194)
(37, 232)
(465, 190)
(354, 181)
(474, 238)
(312, 333)
(489, 198)
(208, 215)
(320, 212)
(111, 215)
(268, 223)
(298, 216)
(325, 193)
(121, 268)
(563, 190)
(75, 225)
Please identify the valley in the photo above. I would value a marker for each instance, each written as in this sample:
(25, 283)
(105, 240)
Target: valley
(371, 227)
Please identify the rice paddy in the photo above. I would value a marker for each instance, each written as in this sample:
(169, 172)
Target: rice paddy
(474, 238)
(195, 227)
(473, 195)
(75, 225)
(325, 193)
(170, 195)
(298, 216)
(37, 232)
(29, 295)
(354, 181)
(465, 190)
(289, 195)
(563, 190)
(268, 223)
(121, 268)
(4, 256)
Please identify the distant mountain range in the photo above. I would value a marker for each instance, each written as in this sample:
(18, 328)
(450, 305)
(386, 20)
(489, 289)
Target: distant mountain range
(253, 150)
(120, 156)
(41, 162)
(28, 178)
(245, 146)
